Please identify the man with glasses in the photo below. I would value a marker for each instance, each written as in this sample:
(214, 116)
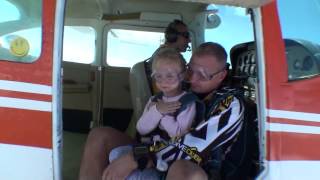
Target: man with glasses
(213, 138)
(223, 116)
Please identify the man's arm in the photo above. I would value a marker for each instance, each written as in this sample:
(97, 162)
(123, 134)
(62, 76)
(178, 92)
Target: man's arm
(218, 129)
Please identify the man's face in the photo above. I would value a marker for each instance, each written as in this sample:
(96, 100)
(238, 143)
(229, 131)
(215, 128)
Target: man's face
(205, 73)
(183, 38)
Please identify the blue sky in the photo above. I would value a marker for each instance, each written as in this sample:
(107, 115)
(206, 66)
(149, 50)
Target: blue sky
(300, 20)
(235, 27)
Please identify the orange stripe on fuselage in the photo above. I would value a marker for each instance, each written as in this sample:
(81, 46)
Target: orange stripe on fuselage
(292, 146)
(26, 127)
(24, 95)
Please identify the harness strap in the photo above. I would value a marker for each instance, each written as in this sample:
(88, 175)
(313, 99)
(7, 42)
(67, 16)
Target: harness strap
(147, 69)
(179, 150)
(190, 151)
(185, 101)
(157, 97)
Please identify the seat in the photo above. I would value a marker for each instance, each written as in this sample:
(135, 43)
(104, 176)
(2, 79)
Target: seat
(241, 162)
(140, 93)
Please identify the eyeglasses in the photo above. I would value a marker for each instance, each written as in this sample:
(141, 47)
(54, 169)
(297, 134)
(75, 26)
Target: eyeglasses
(199, 73)
(184, 34)
(168, 77)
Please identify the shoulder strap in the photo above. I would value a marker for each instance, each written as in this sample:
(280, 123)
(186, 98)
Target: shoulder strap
(188, 98)
(185, 100)
(222, 99)
(148, 71)
(188, 142)
(156, 97)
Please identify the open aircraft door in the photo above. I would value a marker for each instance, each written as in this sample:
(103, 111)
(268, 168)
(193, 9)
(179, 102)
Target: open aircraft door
(290, 107)
(30, 92)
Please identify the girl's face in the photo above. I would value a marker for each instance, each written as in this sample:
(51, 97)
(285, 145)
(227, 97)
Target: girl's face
(168, 77)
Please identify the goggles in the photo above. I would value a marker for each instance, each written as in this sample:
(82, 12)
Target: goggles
(200, 73)
(168, 77)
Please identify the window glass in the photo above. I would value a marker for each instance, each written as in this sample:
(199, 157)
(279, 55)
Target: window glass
(79, 44)
(20, 30)
(127, 47)
(235, 27)
(300, 27)
(8, 12)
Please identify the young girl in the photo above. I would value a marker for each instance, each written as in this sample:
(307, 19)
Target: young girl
(163, 116)
(160, 113)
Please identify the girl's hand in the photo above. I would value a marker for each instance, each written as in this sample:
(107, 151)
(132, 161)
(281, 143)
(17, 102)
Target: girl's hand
(167, 107)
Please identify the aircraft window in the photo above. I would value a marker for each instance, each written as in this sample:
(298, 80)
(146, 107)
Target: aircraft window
(8, 12)
(20, 31)
(127, 47)
(301, 35)
(73, 46)
(235, 27)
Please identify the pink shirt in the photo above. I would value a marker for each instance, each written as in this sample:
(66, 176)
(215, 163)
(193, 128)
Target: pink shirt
(174, 126)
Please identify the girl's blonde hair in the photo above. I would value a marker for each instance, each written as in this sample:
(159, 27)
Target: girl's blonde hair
(168, 55)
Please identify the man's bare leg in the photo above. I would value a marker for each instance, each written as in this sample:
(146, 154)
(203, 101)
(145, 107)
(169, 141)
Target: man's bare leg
(99, 143)
(186, 170)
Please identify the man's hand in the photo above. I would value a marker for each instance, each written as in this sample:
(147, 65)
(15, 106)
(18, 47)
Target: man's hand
(167, 107)
(120, 168)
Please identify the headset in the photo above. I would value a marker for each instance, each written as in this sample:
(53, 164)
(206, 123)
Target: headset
(171, 33)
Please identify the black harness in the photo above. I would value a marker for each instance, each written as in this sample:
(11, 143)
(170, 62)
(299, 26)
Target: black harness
(185, 101)
(218, 102)
(168, 150)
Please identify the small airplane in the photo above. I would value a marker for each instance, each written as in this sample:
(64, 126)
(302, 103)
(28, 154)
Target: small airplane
(65, 68)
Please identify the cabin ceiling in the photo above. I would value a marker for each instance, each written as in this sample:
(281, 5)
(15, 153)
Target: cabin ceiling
(98, 8)
(240, 3)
